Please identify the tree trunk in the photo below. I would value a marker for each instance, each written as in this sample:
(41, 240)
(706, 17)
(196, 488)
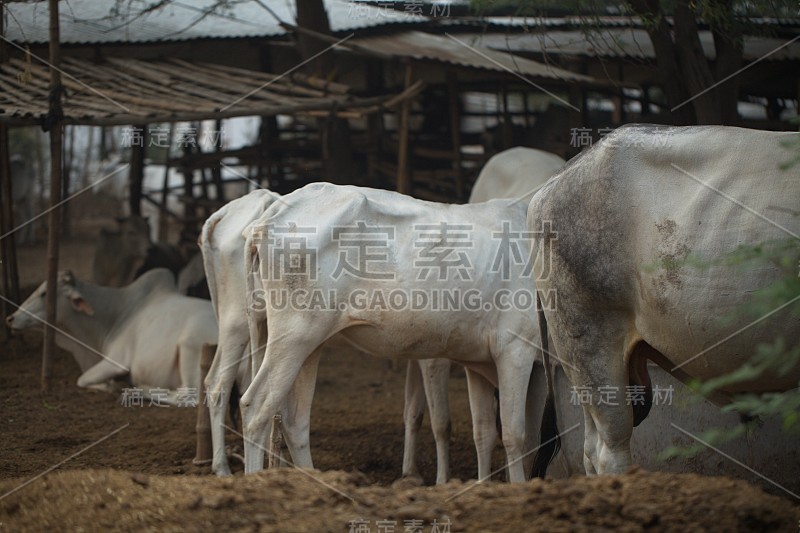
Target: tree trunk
(728, 43)
(685, 71)
(695, 70)
(666, 58)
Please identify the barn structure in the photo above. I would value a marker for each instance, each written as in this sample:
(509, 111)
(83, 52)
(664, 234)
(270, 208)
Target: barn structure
(400, 89)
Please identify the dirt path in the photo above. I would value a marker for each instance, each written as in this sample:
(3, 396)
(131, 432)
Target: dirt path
(143, 477)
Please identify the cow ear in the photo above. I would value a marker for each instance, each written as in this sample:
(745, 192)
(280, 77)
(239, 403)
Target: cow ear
(80, 304)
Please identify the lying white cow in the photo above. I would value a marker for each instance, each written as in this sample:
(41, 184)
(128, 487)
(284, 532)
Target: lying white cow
(514, 173)
(311, 293)
(624, 226)
(222, 244)
(146, 332)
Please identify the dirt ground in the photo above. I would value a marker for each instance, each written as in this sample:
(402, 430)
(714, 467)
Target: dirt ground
(142, 476)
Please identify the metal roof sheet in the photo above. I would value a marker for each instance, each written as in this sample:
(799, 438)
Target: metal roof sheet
(621, 42)
(457, 50)
(108, 21)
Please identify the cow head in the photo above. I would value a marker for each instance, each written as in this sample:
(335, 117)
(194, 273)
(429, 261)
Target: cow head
(32, 311)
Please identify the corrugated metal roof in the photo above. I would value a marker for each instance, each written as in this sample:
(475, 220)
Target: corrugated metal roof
(107, 21)
(458, 50)
(572, 22)
(620, 42)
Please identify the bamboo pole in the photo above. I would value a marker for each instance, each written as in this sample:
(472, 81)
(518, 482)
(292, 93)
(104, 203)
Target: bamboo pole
(56, 136)
(204, 451)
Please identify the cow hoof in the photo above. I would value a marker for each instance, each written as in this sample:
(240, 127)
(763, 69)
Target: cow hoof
(222, 472)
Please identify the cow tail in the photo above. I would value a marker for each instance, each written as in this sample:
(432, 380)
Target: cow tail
(549, 438)
(256, 303)
(233, 406)
(207, 247)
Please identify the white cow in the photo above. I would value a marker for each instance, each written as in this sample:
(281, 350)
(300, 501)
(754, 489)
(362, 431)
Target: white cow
(514, 173)
(309, 293)
(624, 227)
(146, 332)
(221, 243)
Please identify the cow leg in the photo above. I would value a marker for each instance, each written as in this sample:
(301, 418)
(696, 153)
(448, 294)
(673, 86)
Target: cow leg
(412, 417)
(297, 428)
(269, 390)
(514, 371)
(590, 444)
(219, 383)
(484, 415)
(597, 362)
(435, 377)
(100, 373)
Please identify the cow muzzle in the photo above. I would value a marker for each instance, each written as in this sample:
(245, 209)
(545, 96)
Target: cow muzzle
(14, 324)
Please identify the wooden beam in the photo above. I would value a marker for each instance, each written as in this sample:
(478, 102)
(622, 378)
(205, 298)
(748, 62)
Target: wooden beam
(56, 138)
(403, 179)
(455, 134)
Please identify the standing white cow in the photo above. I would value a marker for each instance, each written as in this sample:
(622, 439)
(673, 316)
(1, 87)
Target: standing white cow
(623, 227)
(514, 173)
(147, 331)
(310, 291)
(222, 243)
(222, 247)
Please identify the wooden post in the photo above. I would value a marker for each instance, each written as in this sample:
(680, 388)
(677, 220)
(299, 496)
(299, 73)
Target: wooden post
(87, 159)
(136, 173)
(69, 146)
(216, 171)
(204, 451)
(275, 442)
(508, 127)
(163, 223)
(56, 136)
(526, 108)
(403, 180)
(455, 135)
(8, 247)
